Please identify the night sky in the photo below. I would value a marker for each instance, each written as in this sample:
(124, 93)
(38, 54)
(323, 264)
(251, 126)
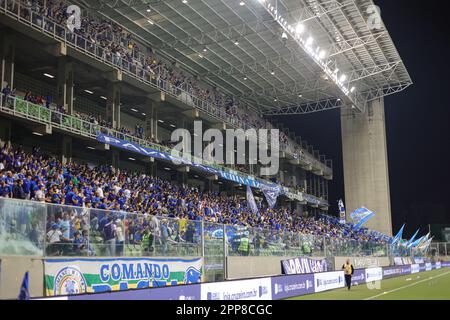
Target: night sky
(417, 119)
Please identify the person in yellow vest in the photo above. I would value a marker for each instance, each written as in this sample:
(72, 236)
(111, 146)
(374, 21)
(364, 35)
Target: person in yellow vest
(348, 272)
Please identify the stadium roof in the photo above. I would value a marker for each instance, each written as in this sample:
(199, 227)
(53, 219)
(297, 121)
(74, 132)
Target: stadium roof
(281, 56)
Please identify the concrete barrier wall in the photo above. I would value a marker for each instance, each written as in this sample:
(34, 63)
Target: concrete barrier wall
(362, 262)
(12, 270)
(255, 267)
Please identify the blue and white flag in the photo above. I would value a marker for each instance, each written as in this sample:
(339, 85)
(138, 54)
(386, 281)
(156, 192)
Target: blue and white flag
(424, 239)
(271, 193)
(361, 216)
(412, 239)
(398, 236)
(341, 212)
(416, 243)
(24, 293)
(251, 201)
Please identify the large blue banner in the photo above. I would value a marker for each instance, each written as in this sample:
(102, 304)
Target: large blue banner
(272, 191)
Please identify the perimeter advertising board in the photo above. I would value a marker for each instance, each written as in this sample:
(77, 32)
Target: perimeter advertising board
(254, 289)
(289, 286)
(329, 280)
(374, 274)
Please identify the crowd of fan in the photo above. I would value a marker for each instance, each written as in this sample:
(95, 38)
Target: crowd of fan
(110, 41)
(116, 194)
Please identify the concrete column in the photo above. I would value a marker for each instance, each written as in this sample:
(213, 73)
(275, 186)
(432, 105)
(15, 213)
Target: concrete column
(66, 147)
(366, 173)
(182, 177)
(208, 184)
(65, 81)
(7, 56)
(113, 104)
(152, 167)
(114, 158)
(151, 120)
(5, 131)
(181, 123)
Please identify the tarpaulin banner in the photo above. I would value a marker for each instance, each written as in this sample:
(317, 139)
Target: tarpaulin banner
(402, 261)
(304, 265)
(75, 276)
(291, 286)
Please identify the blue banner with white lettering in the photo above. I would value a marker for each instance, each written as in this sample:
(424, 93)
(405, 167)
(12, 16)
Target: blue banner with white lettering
(271, 190)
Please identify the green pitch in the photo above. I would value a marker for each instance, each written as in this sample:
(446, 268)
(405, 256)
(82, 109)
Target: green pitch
(431, 285)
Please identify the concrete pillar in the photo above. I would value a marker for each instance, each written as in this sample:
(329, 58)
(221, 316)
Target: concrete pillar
(113, 104)
(182, 177)
(151, 120)
(181, 123)
(152, 167)
(5, 131)
(66, 147)
(365, 160)
(115, 158)
(7, 56)
(65, 81)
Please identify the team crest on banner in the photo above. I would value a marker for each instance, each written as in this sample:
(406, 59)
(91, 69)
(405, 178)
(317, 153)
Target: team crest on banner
(69, 280)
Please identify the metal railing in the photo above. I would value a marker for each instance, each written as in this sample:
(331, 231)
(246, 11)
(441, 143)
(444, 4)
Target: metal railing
(440, 248)
(70, 123)
(45, 229)
(184, 92)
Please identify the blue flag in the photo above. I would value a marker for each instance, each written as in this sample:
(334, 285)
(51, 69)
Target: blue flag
(398, 236)
(416, 243)
(271, 193)
(413, 237)
(24, 293)
(361, 216)
(342, 218)
(251, 201)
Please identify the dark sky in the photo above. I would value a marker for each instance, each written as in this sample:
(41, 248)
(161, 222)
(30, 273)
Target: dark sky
(417, 120)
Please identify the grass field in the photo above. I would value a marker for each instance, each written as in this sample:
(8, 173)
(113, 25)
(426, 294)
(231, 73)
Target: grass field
(431, 285)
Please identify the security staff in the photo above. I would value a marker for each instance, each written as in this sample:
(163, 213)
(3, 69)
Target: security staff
(348, 272)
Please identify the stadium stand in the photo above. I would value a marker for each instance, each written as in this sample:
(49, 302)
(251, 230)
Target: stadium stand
(45, 179)
(111, 43)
